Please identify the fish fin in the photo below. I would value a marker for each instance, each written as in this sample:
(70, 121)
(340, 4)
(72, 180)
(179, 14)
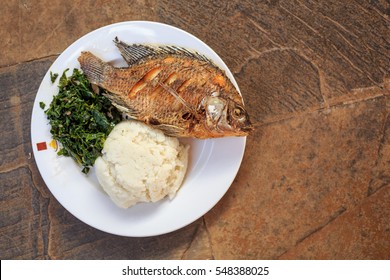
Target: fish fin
(171, 130)
(93, 67)
(133, 53)
(121, 106)
(126, 111)
(177, 50)
(176, 95)
(180, 99)
(136, 52)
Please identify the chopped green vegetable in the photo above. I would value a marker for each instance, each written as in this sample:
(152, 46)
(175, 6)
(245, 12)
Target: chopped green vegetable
(53, 77)
(42, 105)
(80, 119)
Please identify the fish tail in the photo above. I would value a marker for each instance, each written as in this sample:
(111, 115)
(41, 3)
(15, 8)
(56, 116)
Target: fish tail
(93, 67)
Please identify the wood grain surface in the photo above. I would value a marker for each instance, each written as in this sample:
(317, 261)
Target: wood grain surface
(315, 179)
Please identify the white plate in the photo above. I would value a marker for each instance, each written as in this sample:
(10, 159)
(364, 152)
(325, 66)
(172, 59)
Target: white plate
(213, 162)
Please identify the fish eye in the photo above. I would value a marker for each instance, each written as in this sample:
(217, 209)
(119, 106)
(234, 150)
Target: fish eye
(238, 112)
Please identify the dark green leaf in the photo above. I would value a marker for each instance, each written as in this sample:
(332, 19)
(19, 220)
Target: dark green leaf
(80, 119)
(53, 77)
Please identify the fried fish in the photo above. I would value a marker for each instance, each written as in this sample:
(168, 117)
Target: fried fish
(180, 92)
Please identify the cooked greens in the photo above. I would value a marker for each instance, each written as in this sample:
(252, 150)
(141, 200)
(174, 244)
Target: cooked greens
(53, 77)
(80, 119)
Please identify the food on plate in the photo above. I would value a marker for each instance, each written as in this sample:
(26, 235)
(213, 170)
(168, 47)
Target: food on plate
(80, 119)
(140, 164)
(178, 91)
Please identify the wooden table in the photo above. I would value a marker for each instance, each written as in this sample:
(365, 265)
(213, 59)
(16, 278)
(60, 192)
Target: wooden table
(315, 179)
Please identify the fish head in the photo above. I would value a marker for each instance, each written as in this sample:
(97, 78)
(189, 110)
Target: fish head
(227, 117)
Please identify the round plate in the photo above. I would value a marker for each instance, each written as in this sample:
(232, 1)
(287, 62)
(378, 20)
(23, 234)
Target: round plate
(212, 166)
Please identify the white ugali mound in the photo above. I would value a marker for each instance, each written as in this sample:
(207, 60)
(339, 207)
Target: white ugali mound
(140, 164)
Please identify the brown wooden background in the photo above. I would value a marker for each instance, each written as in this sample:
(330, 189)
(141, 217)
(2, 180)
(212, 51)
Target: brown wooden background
(315, 179)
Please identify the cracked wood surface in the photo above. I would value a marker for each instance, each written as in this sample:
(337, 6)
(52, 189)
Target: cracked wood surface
(315, 179)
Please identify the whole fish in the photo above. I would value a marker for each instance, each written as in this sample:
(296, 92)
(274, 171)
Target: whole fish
(178, 91)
